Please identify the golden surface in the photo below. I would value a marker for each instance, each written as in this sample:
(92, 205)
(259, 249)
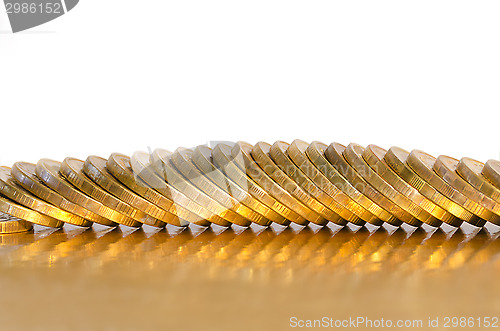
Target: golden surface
(154, 280)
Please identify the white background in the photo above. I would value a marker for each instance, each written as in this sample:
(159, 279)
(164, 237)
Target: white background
(121, 75)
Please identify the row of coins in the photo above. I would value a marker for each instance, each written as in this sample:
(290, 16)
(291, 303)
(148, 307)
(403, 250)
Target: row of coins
(247, 184)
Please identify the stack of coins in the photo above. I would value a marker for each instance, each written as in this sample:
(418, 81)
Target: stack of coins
(244, 184)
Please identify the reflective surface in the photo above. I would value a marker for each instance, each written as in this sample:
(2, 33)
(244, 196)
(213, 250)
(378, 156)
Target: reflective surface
(126, 278)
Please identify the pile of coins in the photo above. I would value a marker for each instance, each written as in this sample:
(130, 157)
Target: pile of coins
(247, 184)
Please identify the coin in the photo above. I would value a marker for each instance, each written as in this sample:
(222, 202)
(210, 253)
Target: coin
(181, 159)
(491, 171)
(471, 171)
(24, 174)
(73, 170)
(16, 210)
(142, 166)
(241, 189)
(215, 177)
(279, 154)
(374, 156)
(48, 171)
(10, 224)
(95, 168)
(222, 159)
(354, 154)
(315, 153)
(319, 213)
(334, 154)
(119, 166)
(12, 190)
(475, 201)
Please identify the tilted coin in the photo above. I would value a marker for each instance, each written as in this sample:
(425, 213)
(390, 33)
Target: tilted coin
(95, 168)
(16, 210)
(319, 213)
(12, 190)
(315, 152)
(279, 154)
(396, 158)
(119, 166)
(72, 170)
(479, 203)
(181, 159)
(354, 154)
(471, 171)
(48, 171)
(223, 159)
(334, 154)
(24, 174)
(240, 190)
(10, 224)
(422, 164)
(491, 171)
(142, 167)
(241, 201)
(374, 156)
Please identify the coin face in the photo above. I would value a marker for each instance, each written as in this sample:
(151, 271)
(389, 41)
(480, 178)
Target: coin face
(10, 224)
(491, 171)
(471, 171)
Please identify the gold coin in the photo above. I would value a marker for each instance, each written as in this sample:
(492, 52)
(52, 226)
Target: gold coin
(491, 171)
(119, 166)
(413, 214)
(24, 174)
(374, 156)
(72, 170)
(95, 168)
(281, 157)
(48, 171)
(12, 190)
(10, 224)
(240, 154)
(140, 163)
(161, 161)
(319, 213)
(315, 152)
(471, 170)
(183, 158)
(297, 153)
(334, 154)
(475, 201)
(16, 210)
(221, 156)
(202, 158)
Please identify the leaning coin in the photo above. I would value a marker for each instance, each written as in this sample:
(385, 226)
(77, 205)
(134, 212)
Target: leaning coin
(476, 202)
(471, 171)
(119, 166)
(334, 154)
(491, 171)
(48, 171)
(12, 190)
(319, 213)
(283, 160)
(10, 224)
(16, 210)
(24, 174)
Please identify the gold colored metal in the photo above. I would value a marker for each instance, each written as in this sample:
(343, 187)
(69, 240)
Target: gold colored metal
(491, 171)
(202, 159)
(334, 154)
(24, 174)
(10, 224)
(471, 170)
(479, 203)
(48, 171)
(319, 213)
(423, 165)
(354, 154)
(12, 190)
(374, 156)
(281, 157)
(16, 210)
(95, 168)
(315, 152)
(119, 166)
(181, 159)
